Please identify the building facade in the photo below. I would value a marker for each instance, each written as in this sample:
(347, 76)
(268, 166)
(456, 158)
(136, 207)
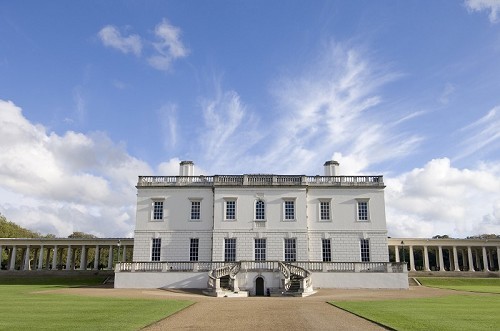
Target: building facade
(257, 218)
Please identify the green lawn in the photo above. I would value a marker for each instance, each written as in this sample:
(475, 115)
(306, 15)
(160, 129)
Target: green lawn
(22, 309)
(454, 312)
(486, 285)
(457, 312)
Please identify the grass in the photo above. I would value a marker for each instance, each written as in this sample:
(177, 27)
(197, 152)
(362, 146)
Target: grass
(456, 312)
(485, 285)
(24, 309)
(453, 312)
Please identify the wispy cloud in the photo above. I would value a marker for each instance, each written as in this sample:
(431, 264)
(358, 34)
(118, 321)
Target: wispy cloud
(167, 116)
(480, 136)
(162, 52)
(168, 48)
(448, 91)
(111, 37)
(493, 6)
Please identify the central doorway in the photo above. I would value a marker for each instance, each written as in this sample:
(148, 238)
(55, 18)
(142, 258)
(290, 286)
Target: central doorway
(259, 286)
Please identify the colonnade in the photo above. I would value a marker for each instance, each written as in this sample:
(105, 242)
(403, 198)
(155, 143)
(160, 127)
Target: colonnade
(446, 254)
(64, 254)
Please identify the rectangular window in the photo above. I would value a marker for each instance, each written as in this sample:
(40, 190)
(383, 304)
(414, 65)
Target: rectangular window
(230, 210)
(195, 210)
(327, 250)
(230, 249)
(156, 249)
(289, 210)
(324, 210)
(157, 210)
(193, 249)
(365, 250)
(260, 249)
(362, 210)
(260, 210)
(290, 250)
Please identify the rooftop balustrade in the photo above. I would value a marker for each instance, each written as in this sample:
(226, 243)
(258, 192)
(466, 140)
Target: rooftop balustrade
(260, 180)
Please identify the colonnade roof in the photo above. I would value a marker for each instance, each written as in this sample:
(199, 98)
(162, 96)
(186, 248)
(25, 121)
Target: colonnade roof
(442, 242)
(66, 241)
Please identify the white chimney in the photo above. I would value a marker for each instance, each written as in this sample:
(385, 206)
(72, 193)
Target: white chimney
(186, 168)
(331, 168)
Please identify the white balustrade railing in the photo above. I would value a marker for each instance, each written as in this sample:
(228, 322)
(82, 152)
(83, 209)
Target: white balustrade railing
(260, 180)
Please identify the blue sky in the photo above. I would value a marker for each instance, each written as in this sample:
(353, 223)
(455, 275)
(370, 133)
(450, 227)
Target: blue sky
(93, 94)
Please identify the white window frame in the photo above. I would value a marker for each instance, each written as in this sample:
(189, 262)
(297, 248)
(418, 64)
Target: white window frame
(231, 201)
(154, 211)
(230, 249)
(290, 249)
(192, 202)
(286, 217)
(155, 249)
(263, 219)
(363, 213)
(327, 202)
(260, 249)
(194, 249)
(364, 250)
(326, 252)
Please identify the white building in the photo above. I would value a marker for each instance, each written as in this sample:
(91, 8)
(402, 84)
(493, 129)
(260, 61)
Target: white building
(250, 232)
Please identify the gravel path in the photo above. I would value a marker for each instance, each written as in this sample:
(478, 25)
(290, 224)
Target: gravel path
(264, 313)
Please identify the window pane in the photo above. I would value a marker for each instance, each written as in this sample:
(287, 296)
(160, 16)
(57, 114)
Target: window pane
(158, 210)
(193, 249)
(260, 212)
(230, 249)
(195, 210)
(365, 250)
(324, 210)
(260, 249)
(289, 210)
(362, 210)
(327, 250)
(290, 250)
(231, 210)
(156, 249)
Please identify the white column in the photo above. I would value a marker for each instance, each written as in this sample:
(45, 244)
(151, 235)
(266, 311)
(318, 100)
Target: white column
(498, 257)
(412, 259)
(426, 259)
(485, 260)
(40, 258)
(83, 258)
(110, 257)
(27, 258)
(13, 253)
(471, 260)
(441, 261)
(96, 258)
(396, 253)
(54, 258)
(124, 254)
(69, 257)
(455, 258)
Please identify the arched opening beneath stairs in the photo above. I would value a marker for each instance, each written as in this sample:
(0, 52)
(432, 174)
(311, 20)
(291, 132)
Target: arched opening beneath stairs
(259, 286)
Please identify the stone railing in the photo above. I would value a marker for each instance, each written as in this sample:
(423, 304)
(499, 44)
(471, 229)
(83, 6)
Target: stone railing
(260, 180)
(224, 268)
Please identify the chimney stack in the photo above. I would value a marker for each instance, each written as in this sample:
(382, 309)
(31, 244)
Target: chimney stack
(186, 168)
(331, 168)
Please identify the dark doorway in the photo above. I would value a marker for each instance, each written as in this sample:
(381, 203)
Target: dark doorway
(259, 286)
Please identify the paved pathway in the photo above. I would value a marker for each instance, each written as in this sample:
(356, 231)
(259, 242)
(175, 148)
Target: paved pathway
(264, 313)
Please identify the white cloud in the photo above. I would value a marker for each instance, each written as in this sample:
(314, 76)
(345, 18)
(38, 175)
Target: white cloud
(481, 136)
(448, 91)
(168, 120)
(169, 47)
(441, 199)
(111, 37)
(493, 6)
(64, 183)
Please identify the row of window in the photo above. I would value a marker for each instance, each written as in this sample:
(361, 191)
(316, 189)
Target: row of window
(260, 249)
(260, 210)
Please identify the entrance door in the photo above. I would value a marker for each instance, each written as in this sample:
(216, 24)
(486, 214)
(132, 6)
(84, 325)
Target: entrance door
(259, 286)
